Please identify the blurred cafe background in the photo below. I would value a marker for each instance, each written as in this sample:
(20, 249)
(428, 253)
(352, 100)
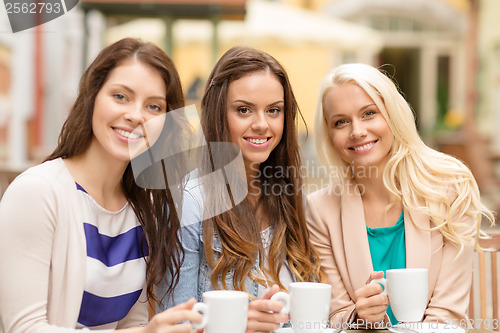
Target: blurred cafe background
(444, 54)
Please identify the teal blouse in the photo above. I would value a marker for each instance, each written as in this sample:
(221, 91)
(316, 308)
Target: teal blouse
(388, 250)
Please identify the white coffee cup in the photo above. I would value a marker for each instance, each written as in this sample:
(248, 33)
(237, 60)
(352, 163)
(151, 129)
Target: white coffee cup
(223, 311)
(407, 292)
(308, 304)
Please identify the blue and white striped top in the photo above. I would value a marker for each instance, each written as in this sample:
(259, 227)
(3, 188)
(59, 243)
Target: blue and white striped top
(116, 270)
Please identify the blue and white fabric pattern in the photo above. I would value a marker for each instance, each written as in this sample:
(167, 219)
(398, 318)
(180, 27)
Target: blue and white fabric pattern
(115, 266)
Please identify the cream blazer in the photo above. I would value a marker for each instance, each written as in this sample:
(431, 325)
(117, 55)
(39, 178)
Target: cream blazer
(338, 231)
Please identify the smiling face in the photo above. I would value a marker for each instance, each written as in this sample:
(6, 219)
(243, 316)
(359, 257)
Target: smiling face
(255, 114)
(357, 128)
(132, 98)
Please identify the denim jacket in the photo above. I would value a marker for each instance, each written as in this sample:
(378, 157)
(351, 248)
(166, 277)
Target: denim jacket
(195, 272)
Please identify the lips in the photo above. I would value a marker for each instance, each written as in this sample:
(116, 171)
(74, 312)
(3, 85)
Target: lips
(257, 141)
(363, 146)
(127, 134)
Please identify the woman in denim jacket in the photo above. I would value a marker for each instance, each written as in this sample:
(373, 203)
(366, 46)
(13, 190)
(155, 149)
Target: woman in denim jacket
(243, 223)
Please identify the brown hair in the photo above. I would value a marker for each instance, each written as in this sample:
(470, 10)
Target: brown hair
(238, 229)
(154, 208)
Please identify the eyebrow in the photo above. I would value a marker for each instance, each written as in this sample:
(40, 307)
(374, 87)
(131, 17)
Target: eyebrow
(361, 109)
(133, 92)
(253, 104)
(367, 106)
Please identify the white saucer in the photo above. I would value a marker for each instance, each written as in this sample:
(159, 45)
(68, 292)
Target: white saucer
(430, 327)
(290, 330)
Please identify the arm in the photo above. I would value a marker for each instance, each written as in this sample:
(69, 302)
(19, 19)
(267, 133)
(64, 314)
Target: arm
(450, 297)
(173, 320)
(28, 220)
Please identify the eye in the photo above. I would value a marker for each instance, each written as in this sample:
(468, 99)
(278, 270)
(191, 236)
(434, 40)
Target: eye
(244, 110)
(274, 111)
(155, 108)
(119, 97)
(369, 113)
(340, 123)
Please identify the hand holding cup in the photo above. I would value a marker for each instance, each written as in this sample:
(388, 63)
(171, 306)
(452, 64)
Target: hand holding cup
(407, 292)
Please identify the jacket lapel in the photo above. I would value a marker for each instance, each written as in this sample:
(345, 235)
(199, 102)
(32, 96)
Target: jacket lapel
(418, 242)
(357, 250)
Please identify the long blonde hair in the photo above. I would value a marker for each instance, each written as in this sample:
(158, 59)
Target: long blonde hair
(427, 181)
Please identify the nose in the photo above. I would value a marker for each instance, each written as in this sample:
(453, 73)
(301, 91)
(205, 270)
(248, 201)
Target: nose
(358, 130)
(134, 114)
(259, 123)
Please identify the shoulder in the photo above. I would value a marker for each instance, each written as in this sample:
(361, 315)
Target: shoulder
(192, 200)
(38, 194)
(323, 206)
(194, 185)
(327, 195)
(194, 190)
(42, 178)
(450, 191)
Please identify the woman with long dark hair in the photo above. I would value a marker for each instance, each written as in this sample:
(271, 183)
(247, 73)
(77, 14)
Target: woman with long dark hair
(250, 234)
(82, 243)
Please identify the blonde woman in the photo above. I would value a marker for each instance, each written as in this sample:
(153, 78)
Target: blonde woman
(393, 202)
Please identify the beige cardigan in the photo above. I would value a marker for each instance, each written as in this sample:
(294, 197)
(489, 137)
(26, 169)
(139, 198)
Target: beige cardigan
(338, 231)
(43, 254)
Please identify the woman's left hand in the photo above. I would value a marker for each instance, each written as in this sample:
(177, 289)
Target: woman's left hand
(264, 315)
(371, 306)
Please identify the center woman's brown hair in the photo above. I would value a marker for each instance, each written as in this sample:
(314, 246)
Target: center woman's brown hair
(238, 228)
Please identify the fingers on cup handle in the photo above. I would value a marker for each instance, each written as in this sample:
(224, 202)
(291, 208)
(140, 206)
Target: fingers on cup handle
(202, 308)
(284, 299)
(381, 281)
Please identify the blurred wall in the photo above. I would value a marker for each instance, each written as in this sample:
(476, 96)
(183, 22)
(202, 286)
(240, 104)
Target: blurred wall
(489, 66)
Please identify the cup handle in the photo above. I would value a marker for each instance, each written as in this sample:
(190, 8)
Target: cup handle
(202, 308)
(383, 282)
(284, 298)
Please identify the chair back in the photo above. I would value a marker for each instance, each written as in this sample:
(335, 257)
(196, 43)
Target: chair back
(483, 306)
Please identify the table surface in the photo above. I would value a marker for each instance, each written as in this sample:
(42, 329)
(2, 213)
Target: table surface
(474, 330)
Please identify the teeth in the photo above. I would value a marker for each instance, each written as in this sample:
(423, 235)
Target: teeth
(257, 141)
(129, 135)
(364, 146)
